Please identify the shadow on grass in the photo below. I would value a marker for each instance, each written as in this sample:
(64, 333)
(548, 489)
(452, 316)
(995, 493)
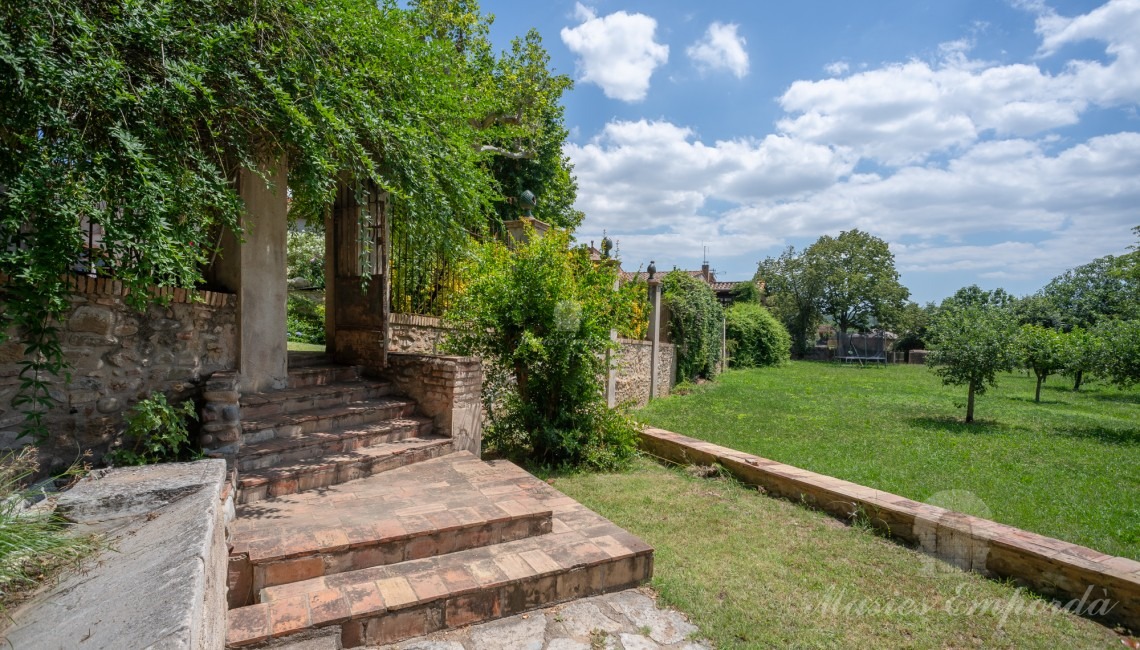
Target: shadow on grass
(947, 424)
(1103, 434)
(1131, 398)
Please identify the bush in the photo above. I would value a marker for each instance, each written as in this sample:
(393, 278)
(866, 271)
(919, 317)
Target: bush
(305, 257)
(540, 318)
(158, 433)
(305, 318)
(695, 322)
(755, 338)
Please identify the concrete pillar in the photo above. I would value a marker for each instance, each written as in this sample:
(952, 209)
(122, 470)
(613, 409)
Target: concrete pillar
(611, 371)
(259, 275)
(654, 334)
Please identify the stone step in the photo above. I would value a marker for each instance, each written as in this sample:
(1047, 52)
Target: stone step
(408, 513)
(281, 451)
(291, 478)
(299, 359)
(351, 414)
(321, 375)
(583, 555)
(293, 400)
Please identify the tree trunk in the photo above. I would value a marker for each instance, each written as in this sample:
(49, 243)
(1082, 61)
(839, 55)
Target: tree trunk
(970, 405)
(1037, 397)
(1077, 380)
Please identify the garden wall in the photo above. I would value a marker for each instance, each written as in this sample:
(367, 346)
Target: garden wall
(633, 370)
(414, 334)
(119, 355)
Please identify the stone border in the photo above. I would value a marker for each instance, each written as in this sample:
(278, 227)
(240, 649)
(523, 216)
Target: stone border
(1051, 567)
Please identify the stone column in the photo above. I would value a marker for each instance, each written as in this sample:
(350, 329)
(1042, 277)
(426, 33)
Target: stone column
(654, 334)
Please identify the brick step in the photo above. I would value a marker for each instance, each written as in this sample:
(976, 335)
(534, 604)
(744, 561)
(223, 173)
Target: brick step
(281, 451)
(372, 522)
(583, 555)
(352, 414)
(279, 480)
(256, 406)
(321, 375)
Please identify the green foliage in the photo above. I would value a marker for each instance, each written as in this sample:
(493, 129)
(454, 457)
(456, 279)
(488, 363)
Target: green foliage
(633, 309)
(747, 292)
(1081, 352)
(755, 337)
(971, 340)
(792, 291)
(33, 541)
(1042, 350)
(540, 318)
(139, 117)
(695, 321)
(157, 432)
(1119, 357)
(860, 286)
(911, 325)
(305, 257)
(305, 318)
(1088, 294)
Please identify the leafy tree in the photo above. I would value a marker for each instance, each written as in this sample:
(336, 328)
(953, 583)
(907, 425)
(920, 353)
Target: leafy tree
(1040, 349)
(755, 337)
(540, 317)
(971, 339)
(1093, 292)
(695, 320)
(911, 325)
(792, 293)
(1128, 265)
(1080, 352)
(859, 284)
(747, 292)
(1119, 358)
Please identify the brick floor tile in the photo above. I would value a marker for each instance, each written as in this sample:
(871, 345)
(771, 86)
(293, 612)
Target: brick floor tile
(363, 598)
(248, 625)
(328, 606)
(428, 585)
(397, 592)
(289, 615)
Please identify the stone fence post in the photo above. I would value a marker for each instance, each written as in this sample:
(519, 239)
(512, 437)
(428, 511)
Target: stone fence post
(654, 334)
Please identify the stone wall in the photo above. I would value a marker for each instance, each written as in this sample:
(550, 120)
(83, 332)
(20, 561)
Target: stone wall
(633, 371)
(447, 389)
(119, 355)
(415, 334)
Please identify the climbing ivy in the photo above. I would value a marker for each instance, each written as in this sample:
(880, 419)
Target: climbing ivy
(138, 116)
(696, 320)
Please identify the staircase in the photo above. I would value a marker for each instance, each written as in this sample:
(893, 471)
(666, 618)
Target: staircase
(354, 515)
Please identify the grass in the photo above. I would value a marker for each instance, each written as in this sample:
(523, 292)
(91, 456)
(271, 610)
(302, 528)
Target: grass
(35, 543)
(297, 346)
(1068, 467)
(758, 572)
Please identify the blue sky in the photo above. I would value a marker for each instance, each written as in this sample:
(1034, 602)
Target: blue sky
(990, 142)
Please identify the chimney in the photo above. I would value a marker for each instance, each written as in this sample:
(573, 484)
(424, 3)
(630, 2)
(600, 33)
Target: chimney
(705, 271)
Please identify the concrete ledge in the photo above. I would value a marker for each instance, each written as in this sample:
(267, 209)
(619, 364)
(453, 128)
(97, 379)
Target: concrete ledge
(1076, 575)
(160, 584)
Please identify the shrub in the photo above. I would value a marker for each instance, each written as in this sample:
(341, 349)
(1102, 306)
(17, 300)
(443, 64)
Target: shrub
(305, 257)
(755, 337)
(695, 320)
(540, 318)
(305, 318)
(158, 433)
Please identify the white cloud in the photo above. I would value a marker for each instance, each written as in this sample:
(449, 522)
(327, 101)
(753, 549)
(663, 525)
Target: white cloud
(837, 68)
(617, 52)
(721, 48)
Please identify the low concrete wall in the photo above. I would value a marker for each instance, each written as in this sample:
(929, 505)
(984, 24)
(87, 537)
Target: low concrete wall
(118, 356)
(160, 583)
(447, 389)
(1048, 566)
(633, 370)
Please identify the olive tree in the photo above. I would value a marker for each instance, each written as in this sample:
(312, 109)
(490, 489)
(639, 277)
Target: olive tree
(1041, 350)
(971, 340)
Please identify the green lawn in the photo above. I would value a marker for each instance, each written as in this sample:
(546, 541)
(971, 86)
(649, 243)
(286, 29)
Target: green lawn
(297, 346)
(757, 572)
(1068, 467)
